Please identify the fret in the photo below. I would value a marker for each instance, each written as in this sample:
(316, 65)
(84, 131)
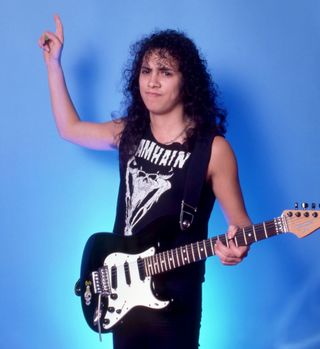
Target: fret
(150, 266)
(198, 250)
(160, 266)
(205, 248)
(176, 255)
(181, 255)
(226, 238)
(194, 258)
(244, 236)
(160, 262)
(187, 252)
(164, 262)
(168, 258)
(172, 259)
(254, 232)
(155, 264)
(265, 230)
(145, 266)
(212, 247)
(235, 239)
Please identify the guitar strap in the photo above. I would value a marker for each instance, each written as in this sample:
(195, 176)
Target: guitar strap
(195, 178)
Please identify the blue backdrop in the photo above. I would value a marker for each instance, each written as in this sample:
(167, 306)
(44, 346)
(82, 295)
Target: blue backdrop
(264, 56)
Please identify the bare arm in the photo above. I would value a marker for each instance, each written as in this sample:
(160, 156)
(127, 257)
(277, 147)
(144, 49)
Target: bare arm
(70, 127)
(223, 175)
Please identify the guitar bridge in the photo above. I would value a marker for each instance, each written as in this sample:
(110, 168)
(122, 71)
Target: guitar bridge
(101, 281)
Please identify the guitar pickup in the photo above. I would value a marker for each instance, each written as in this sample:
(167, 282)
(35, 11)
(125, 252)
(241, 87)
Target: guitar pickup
(114, 277)
(142, 271)
(127, 273)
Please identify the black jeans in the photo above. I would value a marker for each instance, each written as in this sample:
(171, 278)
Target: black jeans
(175, 327)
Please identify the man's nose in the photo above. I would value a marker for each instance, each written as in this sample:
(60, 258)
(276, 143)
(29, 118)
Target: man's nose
(153, 80)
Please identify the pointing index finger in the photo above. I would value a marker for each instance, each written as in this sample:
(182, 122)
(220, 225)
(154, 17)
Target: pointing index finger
(59, 28)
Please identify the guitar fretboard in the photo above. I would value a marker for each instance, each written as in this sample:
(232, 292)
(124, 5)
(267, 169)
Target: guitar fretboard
(200, 250)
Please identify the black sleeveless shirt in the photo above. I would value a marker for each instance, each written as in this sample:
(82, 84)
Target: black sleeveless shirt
(151, 187)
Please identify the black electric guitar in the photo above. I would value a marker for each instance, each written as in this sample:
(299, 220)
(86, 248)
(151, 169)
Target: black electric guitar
(117, 271)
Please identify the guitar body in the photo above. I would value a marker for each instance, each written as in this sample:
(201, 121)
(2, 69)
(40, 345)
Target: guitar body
(125, 294)
(128, 287)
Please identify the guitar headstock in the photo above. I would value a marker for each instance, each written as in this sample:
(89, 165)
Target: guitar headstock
(302, 222)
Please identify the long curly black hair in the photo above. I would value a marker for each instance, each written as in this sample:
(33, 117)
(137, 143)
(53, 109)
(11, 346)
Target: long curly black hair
(199, 93)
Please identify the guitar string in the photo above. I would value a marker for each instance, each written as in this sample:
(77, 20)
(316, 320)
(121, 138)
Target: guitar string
(259, 228)
(175, 251)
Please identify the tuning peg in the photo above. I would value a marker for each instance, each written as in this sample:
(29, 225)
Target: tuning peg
(313, 205)
(296, 205)
(304, 205)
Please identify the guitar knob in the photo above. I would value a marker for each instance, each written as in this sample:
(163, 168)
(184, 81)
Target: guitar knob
(114, 296)
(111, 309)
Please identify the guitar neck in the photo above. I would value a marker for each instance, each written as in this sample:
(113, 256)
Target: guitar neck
(200, 250)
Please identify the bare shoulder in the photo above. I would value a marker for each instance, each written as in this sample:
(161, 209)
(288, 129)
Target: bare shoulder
(220, 144)
(223, 176)
(222, 157)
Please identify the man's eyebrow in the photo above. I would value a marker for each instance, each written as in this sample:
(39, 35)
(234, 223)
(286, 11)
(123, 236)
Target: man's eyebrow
(160, 66)
(164, 67)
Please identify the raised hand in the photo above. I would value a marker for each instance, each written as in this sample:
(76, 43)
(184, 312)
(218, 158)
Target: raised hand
(52, 43)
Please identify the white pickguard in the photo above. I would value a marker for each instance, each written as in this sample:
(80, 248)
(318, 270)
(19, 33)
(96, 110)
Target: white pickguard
(138, 293)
